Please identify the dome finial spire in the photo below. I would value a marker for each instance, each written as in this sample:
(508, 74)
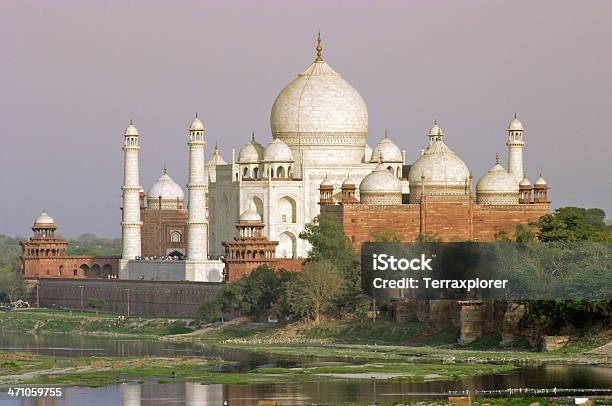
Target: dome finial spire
(131, 123)
(253, 136)
(515, 115)
(216, 146)
(497, 158)
(319, 48)
(386, 135)
(165, 169)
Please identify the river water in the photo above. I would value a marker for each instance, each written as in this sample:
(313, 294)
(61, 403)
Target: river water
(578, 378)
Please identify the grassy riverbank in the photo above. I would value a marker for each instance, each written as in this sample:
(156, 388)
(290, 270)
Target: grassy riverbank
(45, 321)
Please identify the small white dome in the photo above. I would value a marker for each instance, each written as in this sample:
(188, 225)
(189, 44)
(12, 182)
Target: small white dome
(326, 182)
(131, 130)
(250, 215)
(348, 181)
(497, 180)
(278, 151)
(196, 124)
(248, 154)
(515, 125)
(525, 182)
(436, 131)
(44, 218)
(216, 158)
(165, 187)
(440, 166)
(540, 181)
(387, 151)
(380, 181)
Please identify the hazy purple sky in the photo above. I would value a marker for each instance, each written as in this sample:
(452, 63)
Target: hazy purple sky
(73, 73)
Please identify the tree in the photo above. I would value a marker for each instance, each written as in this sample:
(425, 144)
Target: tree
(386, 236)
(329, 243)
(96, 304)
(313, 290)
(523, 233)
(574, 224)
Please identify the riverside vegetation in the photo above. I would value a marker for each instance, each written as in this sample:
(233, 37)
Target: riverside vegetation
(330, 322)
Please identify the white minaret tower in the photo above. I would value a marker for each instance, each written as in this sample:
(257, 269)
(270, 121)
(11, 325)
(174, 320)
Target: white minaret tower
(197, 224)
(515, 149)
(130, 224)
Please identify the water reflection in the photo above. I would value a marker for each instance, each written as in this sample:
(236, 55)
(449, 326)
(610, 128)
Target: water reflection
(151, 393)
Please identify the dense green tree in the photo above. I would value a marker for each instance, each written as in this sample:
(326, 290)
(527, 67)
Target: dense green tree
(329, 243)
(574, 224)
(313, 290)
(386, 236)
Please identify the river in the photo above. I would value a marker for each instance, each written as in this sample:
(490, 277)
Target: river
(578, 378)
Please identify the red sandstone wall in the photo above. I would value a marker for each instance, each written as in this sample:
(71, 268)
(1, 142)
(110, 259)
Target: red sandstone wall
(239, 269)
(488, 220)
(146, 298)
(450, 221)
(70, 266)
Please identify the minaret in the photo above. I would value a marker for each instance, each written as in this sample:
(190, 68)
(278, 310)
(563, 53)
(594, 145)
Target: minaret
(515, 149)
(197, 244)
(130, 224)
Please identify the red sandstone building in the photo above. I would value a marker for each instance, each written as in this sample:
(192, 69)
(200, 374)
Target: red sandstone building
(45, 256)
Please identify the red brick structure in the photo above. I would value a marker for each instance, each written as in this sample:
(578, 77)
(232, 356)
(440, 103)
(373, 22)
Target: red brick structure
(250, 249)
(450, 219)
(45, 256)
(164, 219)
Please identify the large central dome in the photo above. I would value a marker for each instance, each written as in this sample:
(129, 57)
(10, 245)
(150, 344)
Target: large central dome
(319, 109)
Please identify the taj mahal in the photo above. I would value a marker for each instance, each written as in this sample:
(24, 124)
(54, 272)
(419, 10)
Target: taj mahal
(318, 160)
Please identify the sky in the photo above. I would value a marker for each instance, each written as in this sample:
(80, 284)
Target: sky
(74, 73)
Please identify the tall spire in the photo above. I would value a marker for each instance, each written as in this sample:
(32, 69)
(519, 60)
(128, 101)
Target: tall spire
(319, 48)
(497, 157)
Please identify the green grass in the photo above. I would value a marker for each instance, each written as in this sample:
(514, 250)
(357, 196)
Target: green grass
(65, 322)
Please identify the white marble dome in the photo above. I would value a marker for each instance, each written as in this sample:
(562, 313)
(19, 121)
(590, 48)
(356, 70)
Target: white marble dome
(44, 218)
(165, 187)
(131, 130)
(440, 166)
(497, 180)
(319, 100)
(277, 151)
(436, 131)
(515, 125)
(196, 124)
(349, 181)
(386, 151)
(250, 215)
(380, 187)
(525, 182)
(216, 158)
(249, 154)
(540, 181)
(326, 182)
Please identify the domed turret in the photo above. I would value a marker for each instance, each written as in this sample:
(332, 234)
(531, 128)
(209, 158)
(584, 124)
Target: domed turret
(435, 133)
(380, 187)
(131, 130)
(216, 158)
(386, 151)
(250, 215)
(540, 190)
(196, 124)
(438, 172)
(44, 226)
(515, 124)
(321, 117)
(44, 218)
(348, 191)
(525, 188)
(171, 194)
(326, 192)
(497, 186)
